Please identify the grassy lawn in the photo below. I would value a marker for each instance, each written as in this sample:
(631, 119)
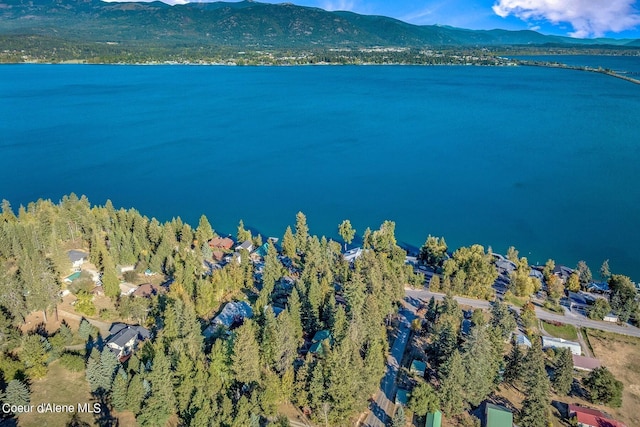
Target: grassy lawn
(567, 332)
(62, 387)
(512, 299)
(619, 353)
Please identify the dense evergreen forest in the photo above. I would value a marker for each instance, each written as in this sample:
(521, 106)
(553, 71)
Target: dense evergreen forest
(233, 379)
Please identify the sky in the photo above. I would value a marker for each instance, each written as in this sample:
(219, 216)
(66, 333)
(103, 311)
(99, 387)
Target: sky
(575, 18)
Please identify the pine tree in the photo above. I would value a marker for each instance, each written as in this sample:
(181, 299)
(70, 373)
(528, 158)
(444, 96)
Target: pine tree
(604, 388)
(423, 399)
(161, 403)
(347, 232)
(451, 391)
(34, 356)
(535, 407)
(481, 366)
(513, 368)
(246, 354)
(289, 244)
(119, 394)
(399, 418)
(302, 233)
(17, 393)
(204, 231)
(563, 372)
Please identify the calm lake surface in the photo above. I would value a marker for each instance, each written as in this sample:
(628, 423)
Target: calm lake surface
(546, 160)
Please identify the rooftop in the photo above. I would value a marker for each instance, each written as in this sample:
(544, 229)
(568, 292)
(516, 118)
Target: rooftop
(233, 311)
(585, 363)
(498, 416)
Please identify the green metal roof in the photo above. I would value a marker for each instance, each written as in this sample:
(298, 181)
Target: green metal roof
(402, 397)
(321, 335)
(418, 366)
(498, 416)
(434, 419)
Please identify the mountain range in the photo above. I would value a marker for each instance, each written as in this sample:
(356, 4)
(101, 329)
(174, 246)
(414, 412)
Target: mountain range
(247, 24)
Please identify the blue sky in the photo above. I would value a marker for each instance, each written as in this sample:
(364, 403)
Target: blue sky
(578, 18)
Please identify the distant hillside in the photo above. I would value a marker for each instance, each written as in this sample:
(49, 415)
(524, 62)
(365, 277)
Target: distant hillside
(245, 24)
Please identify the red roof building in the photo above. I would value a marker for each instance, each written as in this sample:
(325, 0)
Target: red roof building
(146, 291)
(588, 417)
(224, 243)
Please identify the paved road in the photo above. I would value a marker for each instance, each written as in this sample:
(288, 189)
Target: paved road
(384, 401)
(571, 318)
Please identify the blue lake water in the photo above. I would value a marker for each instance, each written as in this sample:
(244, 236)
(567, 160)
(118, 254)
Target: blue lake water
(546, 160)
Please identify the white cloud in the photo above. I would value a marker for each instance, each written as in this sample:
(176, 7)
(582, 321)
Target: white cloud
(587, 17)
(338, 5)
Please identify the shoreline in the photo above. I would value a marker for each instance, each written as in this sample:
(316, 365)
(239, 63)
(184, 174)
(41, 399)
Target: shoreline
(507, 63)
(606, 72)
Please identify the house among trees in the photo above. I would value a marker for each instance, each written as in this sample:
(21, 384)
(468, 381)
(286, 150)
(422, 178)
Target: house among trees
(522, 340)
(247, 245)
(232, 313)
(123, 339)
(587, 417)
(353, 254)
(562, 272)
(318, 339)
(497, 416)
(221, 243)
(550, 342)
(402, 397)
(146, 290)
(418, 367)
(611, 317)
(77, 258)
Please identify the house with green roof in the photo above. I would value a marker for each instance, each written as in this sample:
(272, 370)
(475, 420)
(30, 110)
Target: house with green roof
(402, 397)
(318, 339)
(497, 416)
(434, 419)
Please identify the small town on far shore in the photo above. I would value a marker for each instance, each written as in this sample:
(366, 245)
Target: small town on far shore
(165, 324)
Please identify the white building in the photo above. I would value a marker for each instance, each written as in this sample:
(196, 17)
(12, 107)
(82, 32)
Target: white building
(550, 342)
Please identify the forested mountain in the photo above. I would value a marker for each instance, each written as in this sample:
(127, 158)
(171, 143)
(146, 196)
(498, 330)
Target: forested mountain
(247, 24)
(229, 379)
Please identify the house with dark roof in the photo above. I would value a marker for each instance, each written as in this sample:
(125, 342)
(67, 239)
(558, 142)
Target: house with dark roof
(146, 290)
(588, 417)
(562, 272)
(77, 258)
(123, 339)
